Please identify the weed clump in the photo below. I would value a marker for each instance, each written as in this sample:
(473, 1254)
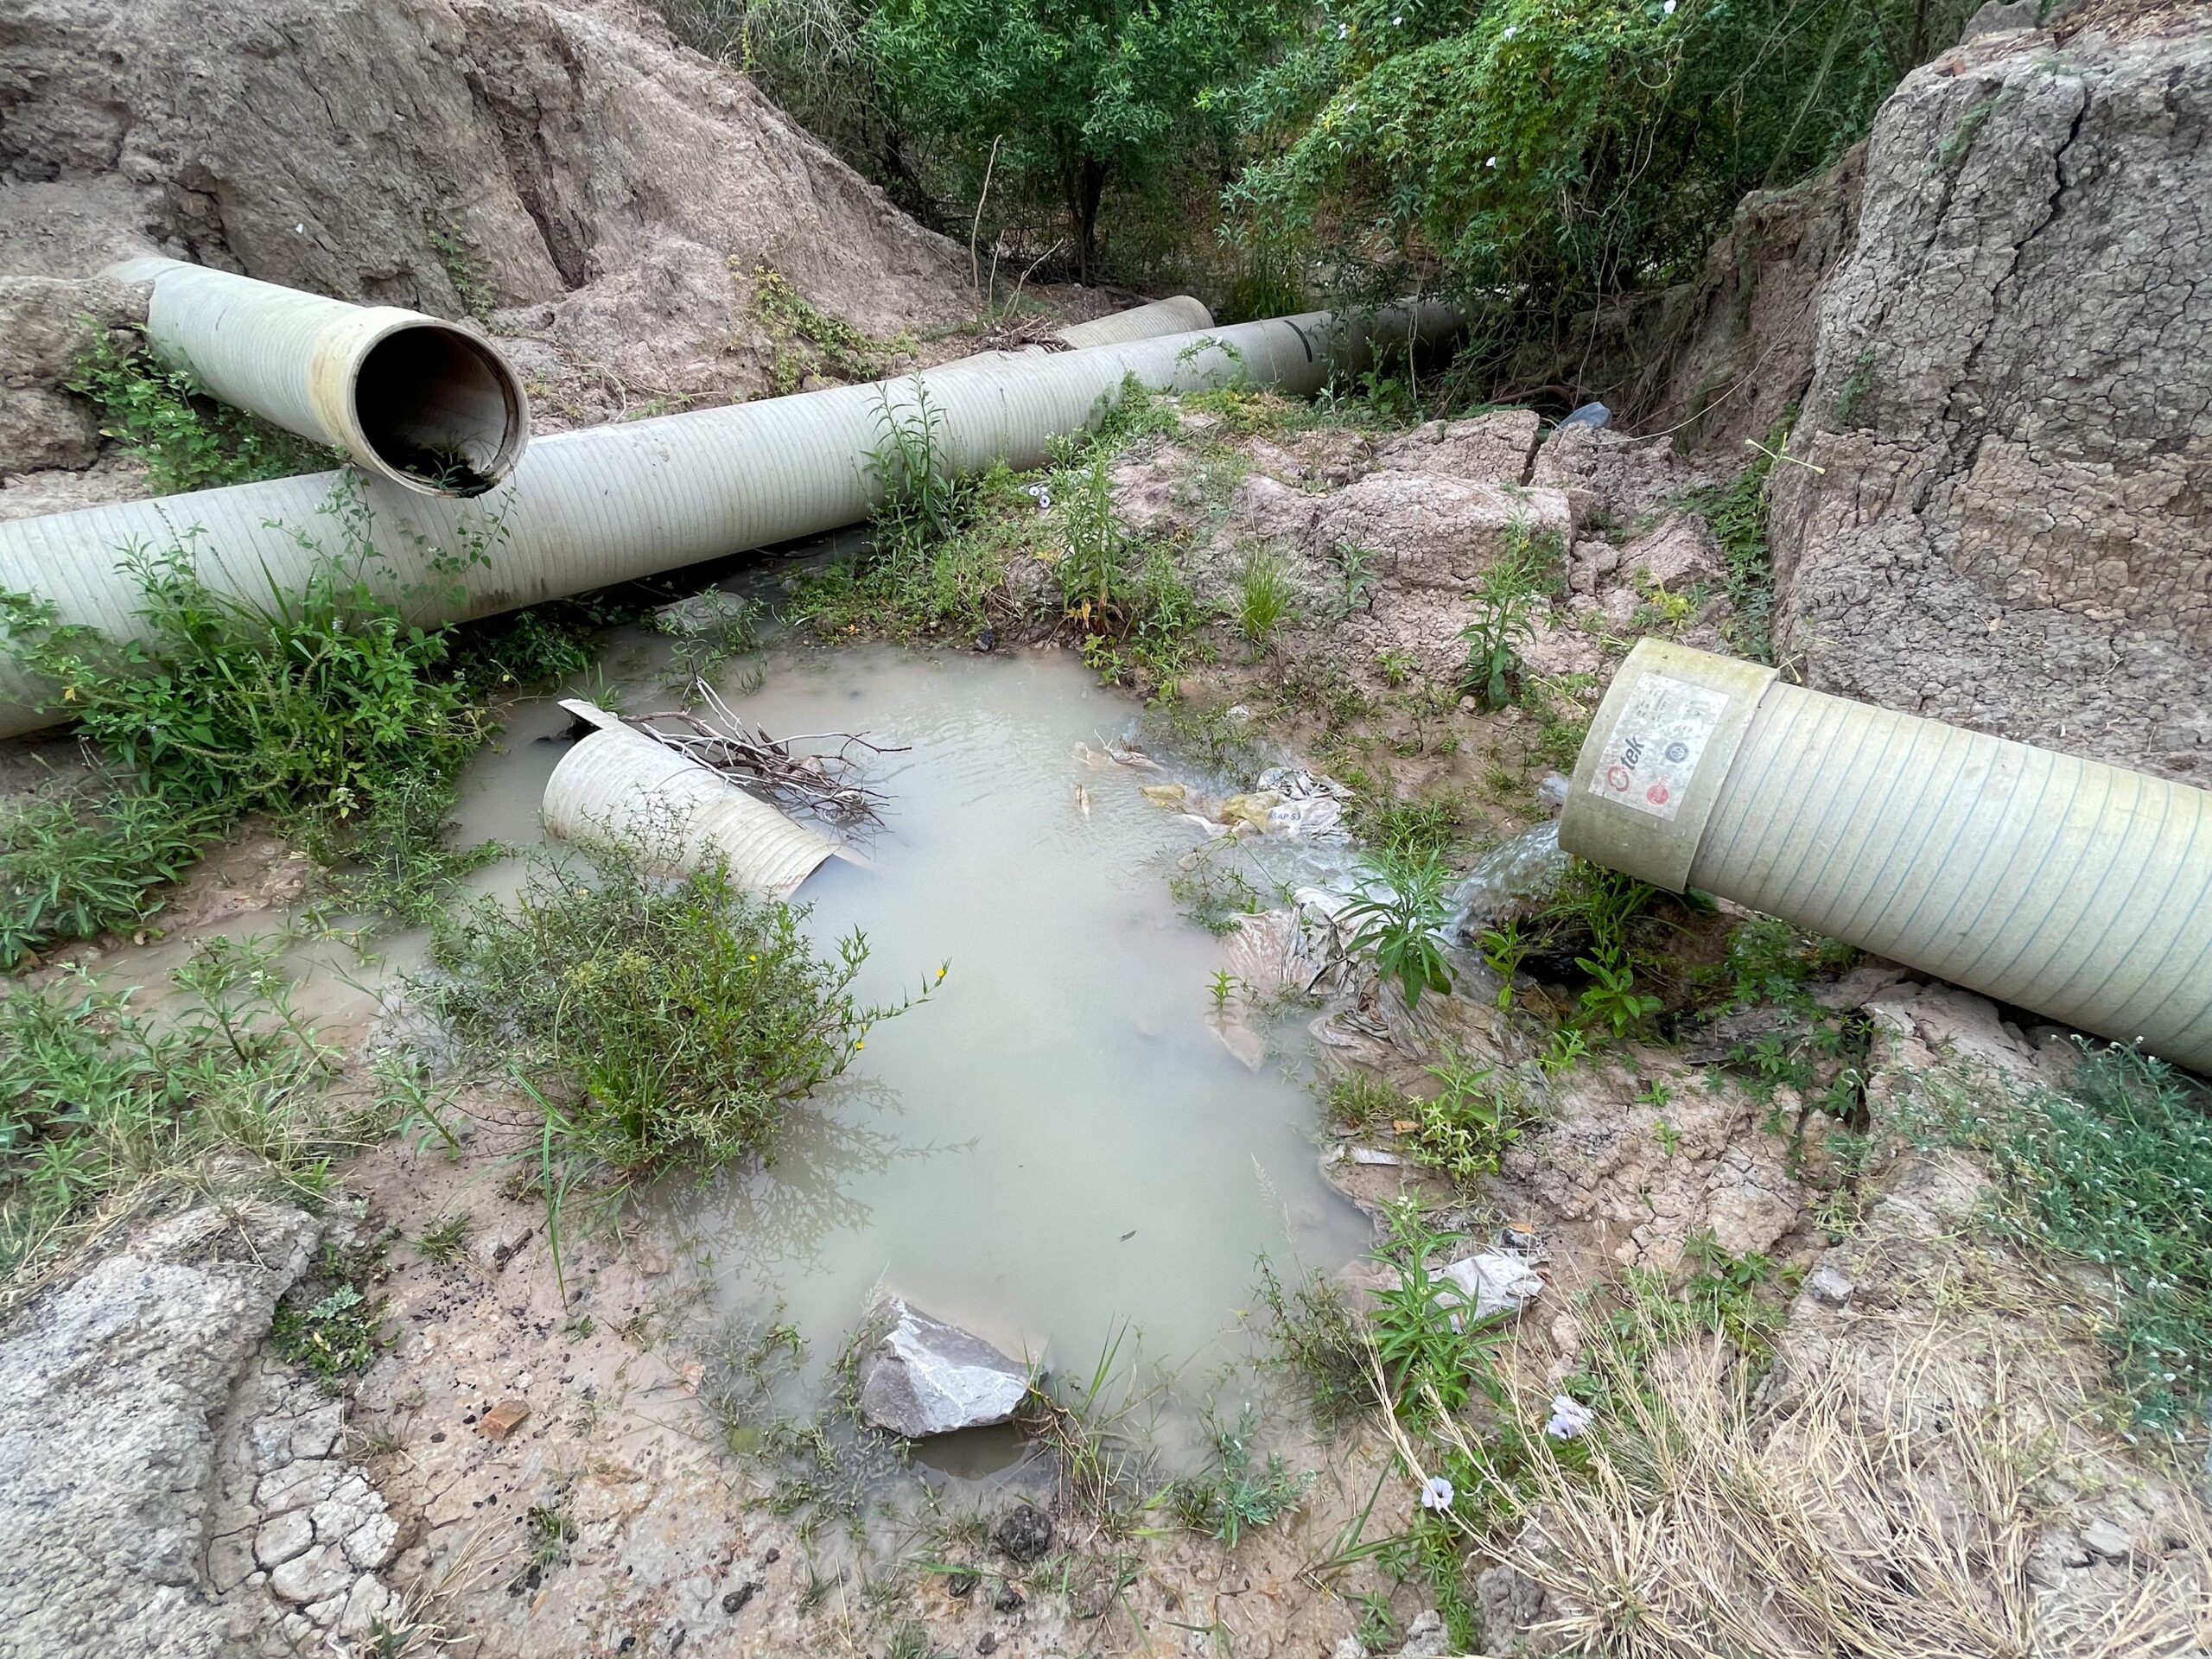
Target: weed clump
(666, 1023)
(186, 440)
(806, 343)
(101, 1107)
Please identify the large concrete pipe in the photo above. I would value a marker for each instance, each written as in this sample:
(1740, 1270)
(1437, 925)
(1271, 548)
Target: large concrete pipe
(2080, 890)
(418, 402)
(612, 503)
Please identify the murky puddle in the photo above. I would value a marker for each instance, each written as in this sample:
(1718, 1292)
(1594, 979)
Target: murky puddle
(1057, 1145)
(1057, 1150)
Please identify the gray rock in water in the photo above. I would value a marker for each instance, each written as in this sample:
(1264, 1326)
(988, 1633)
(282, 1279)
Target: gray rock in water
(923, 1377)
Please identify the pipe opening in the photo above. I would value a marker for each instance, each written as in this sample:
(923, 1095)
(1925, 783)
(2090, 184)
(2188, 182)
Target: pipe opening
(440, 410)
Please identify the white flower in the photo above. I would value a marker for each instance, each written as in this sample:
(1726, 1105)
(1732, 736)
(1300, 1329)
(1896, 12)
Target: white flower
(1436, 1493)
(1343, 30)
(1512, 29)
(1569, 1418)
(1668, 8)
(1042, 496)
(1397, 22)
(1491, 162)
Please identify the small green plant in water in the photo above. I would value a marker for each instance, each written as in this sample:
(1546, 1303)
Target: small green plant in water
(1397, 917)
(668, 1024)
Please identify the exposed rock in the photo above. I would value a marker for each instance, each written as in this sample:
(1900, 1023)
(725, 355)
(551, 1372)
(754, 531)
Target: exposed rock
(503, 1419)
(1678, 551)
(1492, 448)
(108, 1388)
(1430, 532)
(2007, 518)
(45, 325)
(1613, 479)
(922, 1377)
(608, 193)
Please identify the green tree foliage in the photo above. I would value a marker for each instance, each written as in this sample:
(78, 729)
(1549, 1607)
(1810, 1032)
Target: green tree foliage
(1549, 154)
(1078, 95)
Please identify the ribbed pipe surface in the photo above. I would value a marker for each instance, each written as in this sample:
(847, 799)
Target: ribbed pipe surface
(618, 784)
(2080, 890)
(612, 503)
(1178, 315)
(414, 400)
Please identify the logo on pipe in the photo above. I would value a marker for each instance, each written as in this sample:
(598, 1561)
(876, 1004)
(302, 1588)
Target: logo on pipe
(1652, 752)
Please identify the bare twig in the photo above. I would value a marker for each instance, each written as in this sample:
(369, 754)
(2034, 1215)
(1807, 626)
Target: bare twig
(815, 771)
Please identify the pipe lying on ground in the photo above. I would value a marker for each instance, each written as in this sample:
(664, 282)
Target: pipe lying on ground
(2080, 890)
(612, 504)
(416, 402)
(1178, 315)
(618, 784)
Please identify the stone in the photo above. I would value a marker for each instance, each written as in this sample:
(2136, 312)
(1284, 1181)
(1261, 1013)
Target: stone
(1494, 1282)
(1492, 448)
(501, 1244)
(1425, 1638)
(921, 1377)
(110, 1385)
(1829, 1285)
(320, 1574)
(710, 614)
(1428, 531)
(735, 1601)
(2107, 1540)
(368, 1602)
(502, 1420)
(230, 1561)
(1008, 1600)
(370, 1545)
(283, 1537)
(1023, 1534)
(2002, 519)
(988, 1642)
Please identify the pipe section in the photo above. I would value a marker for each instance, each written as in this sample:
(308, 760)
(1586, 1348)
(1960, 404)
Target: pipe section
(416, 402)
(618, 784)
(1178, 315)
(611, 504)
(2080, 890)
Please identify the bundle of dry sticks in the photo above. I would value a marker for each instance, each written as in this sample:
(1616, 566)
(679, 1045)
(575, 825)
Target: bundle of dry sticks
(816, 773)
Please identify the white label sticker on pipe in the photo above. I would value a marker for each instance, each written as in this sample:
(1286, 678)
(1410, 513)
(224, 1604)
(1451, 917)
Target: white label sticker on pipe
(1655, 745)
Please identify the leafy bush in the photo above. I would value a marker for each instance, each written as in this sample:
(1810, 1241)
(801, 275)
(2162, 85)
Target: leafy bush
(667, 1023)
(74, 865)
(1074, 98)
(1397, 916)
(1506, 600)
(1463, 1132)
(1429, 1344)
(186, 439)
(1548, 155)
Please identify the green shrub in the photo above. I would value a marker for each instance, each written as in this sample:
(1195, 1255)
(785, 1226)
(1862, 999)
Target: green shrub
(1399, 909)
(667, 1023)
(1549, 154)
(1266, 599)
(186, 440)
(72, 865)
(1463, 1132)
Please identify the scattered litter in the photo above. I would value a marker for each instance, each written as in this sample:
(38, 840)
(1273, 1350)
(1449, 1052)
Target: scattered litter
(1376, 1158)
(1082, 800)
(503, 1419)
(1165, 794)
(1594, 415)
(1495, 1282)
(822, 781)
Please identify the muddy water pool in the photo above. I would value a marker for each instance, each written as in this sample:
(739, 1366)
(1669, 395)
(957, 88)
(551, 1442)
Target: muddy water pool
(1057, 1150)
(1057, 1147)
